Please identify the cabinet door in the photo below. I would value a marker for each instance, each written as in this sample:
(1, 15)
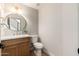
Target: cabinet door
(16, 47)
(10, 51)
(23, 49)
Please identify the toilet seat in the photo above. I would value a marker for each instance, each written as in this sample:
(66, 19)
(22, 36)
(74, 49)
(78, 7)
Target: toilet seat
(38, 45)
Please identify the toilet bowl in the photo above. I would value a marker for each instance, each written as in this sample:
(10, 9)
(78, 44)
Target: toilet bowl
(38, 45)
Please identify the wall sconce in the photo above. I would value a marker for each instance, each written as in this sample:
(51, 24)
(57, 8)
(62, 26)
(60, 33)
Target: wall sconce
(16, 9)
(1, 10)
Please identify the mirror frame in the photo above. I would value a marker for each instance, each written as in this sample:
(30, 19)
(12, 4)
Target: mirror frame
(20, 19)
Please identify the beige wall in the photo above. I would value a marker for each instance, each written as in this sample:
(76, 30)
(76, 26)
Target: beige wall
(50, 27)
(70, 29)
(29, 13)
(58, 28)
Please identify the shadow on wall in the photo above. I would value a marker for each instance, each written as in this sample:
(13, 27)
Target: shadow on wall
(39, 39)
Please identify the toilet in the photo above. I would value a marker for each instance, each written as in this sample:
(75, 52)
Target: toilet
(37, 45)
(38, 48)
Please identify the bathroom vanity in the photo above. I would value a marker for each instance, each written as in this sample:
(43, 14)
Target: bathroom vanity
(19, 46)
(14, 37)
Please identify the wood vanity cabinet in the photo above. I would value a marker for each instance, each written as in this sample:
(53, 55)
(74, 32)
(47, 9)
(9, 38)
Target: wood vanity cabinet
(16, 47)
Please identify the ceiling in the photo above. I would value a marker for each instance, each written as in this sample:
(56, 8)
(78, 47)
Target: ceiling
(33, 5)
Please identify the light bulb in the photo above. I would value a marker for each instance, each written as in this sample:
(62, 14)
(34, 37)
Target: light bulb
(16, 9)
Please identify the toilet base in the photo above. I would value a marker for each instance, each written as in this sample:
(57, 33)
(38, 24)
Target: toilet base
(38, 53)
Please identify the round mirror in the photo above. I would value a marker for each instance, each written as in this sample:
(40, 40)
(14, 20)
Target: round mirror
(16, 22)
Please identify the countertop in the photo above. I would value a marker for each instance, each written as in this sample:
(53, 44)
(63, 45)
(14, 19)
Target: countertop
(16, 36)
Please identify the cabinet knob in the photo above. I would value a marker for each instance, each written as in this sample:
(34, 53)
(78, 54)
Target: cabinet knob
(2, 46)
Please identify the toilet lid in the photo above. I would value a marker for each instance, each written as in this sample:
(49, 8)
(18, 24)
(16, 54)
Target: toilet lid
(37, 44)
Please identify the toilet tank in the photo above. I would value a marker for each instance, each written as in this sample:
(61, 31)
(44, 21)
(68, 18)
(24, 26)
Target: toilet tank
(34, 38)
